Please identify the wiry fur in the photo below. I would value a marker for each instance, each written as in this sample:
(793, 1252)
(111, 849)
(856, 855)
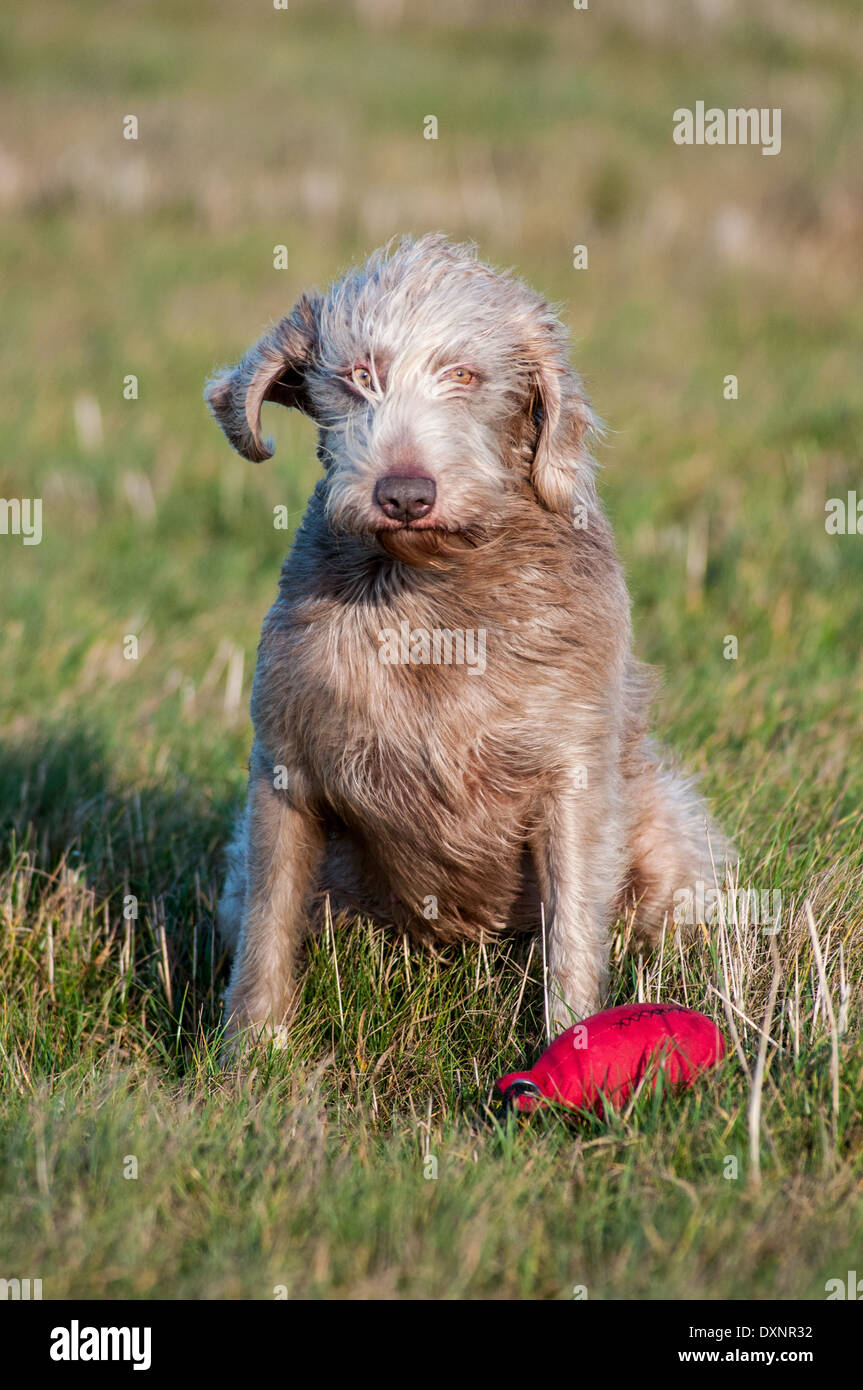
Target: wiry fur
(444, 801)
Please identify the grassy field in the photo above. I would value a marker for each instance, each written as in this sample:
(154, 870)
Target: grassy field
(154, 258)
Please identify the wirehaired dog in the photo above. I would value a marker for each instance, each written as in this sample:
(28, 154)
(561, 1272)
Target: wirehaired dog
(410, 785)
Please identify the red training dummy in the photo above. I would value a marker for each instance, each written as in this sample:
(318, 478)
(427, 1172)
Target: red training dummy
(608, 1054)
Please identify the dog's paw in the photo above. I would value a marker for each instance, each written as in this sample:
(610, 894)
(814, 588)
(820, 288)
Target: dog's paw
(243, 1044)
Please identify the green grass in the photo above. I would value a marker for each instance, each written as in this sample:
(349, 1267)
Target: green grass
(120, 777)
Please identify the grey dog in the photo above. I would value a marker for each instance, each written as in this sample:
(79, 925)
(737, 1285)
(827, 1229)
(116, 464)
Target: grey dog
(457, 512)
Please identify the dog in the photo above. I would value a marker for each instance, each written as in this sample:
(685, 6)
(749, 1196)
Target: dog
(393, 771)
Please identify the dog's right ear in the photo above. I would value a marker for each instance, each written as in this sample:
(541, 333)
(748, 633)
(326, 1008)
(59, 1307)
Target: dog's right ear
(273, 370)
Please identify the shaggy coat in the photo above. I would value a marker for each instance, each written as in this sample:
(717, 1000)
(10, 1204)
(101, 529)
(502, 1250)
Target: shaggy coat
(457, 514)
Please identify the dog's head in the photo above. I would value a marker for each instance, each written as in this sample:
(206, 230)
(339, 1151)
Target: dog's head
(441, 388)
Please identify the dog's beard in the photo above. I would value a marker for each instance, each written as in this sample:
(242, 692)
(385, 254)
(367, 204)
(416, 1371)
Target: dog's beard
(423, 547)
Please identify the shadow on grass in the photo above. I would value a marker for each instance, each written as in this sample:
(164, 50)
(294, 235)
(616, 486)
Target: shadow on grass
(124, 876)
(84, 834)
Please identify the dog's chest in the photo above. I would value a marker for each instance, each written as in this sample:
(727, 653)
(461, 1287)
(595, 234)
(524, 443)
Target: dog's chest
(400, 713)
(430, 724)
(391, 688)
(412, 746)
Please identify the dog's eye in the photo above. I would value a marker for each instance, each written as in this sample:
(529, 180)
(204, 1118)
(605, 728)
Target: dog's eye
(462, 376)
(361, 376)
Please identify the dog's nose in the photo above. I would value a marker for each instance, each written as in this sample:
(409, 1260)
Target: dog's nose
(405, 499)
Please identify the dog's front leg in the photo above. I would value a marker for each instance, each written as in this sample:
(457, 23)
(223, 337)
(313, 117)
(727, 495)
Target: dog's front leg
(284, 847)
(578, 857)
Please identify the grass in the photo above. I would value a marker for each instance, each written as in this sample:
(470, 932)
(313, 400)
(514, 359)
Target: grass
(118, 778)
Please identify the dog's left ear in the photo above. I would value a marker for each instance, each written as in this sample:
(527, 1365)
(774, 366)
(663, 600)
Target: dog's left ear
(274, 369)
(563, 468)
